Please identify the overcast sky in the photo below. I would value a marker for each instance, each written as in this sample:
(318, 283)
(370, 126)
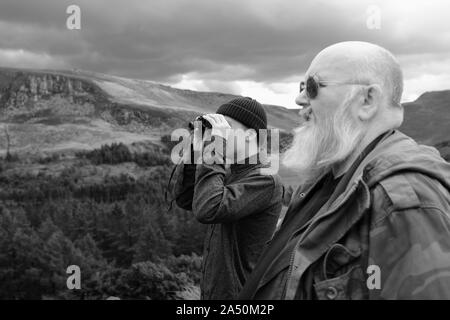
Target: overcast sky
(256, 48)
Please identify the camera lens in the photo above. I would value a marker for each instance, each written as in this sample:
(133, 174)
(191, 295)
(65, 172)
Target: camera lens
(205, 124)
(191, 125)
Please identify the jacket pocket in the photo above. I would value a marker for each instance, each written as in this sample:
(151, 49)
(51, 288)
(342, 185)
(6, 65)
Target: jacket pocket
(341, 276)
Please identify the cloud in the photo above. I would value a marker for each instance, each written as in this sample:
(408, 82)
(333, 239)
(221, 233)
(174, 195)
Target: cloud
(25, 59)
(235, 46)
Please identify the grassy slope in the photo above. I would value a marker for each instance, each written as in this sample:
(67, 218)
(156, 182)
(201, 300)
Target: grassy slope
(427, 119)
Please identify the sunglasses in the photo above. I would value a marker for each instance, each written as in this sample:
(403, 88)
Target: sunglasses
(313, 84)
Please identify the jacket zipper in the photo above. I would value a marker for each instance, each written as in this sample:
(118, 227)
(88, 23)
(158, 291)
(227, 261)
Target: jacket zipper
(291, 260)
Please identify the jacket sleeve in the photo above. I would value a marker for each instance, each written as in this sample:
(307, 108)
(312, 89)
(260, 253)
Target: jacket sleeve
(216, 201)
(410, 243)
(184, 185)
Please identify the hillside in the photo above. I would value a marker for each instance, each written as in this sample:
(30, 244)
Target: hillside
(428, 118)
(47, 111)
(71, 110)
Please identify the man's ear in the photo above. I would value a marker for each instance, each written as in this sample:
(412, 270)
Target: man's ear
(372, 96)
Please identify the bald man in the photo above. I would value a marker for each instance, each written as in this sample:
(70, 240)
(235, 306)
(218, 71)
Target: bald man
(371, 219)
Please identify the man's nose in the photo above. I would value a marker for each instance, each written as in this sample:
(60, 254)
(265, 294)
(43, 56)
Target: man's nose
(302, 100)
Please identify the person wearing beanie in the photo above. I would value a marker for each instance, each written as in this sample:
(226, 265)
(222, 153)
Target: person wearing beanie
(245, 117)
(239, 202)
(247, 111)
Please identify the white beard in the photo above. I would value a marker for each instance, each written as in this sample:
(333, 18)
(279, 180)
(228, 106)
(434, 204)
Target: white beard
(319, 145)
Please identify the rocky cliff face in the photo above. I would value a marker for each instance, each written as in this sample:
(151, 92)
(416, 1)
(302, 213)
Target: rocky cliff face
(57, 98)
(29, 96)
(48, 111)
(31, 88)
(27, 93)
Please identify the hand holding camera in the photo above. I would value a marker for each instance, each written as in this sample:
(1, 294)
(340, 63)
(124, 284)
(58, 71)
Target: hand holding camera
(212, 125)
(220, 126)
(214, 121)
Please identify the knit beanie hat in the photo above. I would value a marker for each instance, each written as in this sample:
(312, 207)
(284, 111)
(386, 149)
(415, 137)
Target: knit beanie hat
(246, 110)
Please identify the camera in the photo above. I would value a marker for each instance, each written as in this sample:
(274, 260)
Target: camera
(205, 124)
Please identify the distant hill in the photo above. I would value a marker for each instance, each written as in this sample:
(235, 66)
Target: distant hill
(50, 110)
(428, 118)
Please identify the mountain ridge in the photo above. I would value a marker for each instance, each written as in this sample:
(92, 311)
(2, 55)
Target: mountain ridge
(50, 110)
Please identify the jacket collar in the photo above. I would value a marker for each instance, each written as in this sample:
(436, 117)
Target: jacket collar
(397, 152)
(355, 173)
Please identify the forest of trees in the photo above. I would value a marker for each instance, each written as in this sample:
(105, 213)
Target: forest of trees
(120, 232)
(127, 240)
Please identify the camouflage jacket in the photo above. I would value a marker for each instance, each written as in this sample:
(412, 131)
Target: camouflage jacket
(387, 236)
